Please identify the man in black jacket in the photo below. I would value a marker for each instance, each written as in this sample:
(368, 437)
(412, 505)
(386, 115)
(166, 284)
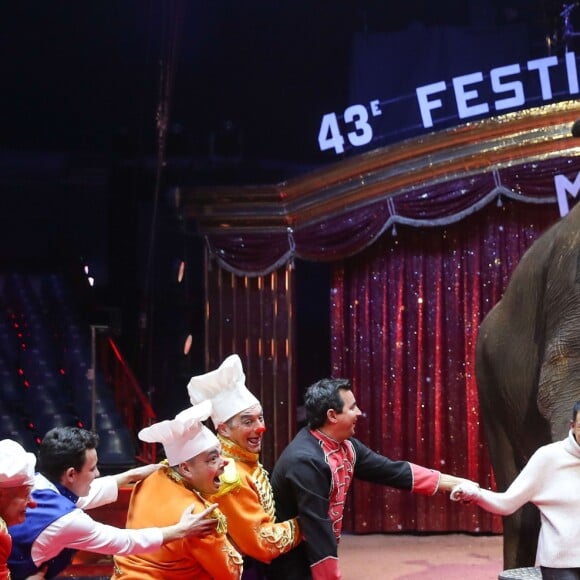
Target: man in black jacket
(312, 477)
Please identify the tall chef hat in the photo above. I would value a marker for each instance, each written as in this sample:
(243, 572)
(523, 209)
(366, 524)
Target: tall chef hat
(183, 437)
(16, 464)
(226, 387)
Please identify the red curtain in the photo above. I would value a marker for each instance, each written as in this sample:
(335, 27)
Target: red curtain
(405, 311)
(404, 315)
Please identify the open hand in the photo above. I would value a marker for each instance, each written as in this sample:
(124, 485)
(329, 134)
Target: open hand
(198, 524)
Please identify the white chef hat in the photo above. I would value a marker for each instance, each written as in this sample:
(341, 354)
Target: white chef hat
(226, 387)
(16, 464)
(183, 437)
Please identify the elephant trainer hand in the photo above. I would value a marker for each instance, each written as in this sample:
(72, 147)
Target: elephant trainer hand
(465, 492)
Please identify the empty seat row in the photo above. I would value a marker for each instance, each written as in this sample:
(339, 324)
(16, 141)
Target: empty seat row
(44, 368)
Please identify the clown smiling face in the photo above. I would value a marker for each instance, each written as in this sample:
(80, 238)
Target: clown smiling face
(245, 429)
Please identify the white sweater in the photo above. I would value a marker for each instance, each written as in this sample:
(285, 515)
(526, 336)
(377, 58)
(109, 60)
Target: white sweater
(551, 481)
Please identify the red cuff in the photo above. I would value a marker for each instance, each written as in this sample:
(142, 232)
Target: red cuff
(425, 481)
(326, 569)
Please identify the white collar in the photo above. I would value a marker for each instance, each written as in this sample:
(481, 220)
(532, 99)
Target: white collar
(41, 482)
(571, 445)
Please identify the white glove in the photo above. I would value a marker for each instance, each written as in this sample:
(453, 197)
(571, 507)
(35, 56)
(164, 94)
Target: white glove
(466, 492)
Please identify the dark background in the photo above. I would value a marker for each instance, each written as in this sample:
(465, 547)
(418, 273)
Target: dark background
(244, 85)
(86, 74)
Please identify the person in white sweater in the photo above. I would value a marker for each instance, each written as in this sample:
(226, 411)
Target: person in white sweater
(551, 481)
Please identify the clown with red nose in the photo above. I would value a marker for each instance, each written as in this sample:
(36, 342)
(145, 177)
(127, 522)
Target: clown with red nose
(245, 496)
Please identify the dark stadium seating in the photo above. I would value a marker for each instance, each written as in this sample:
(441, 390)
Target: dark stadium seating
(45, 359)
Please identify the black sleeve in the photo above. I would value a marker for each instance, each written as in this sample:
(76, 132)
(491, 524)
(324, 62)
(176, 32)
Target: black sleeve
(370, 466)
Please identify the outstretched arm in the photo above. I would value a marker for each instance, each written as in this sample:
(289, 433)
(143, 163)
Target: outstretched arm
(533, 479)
(136, 474)
(496, 503)
(371, 466)
(78, 531)
(105, 489)
(450, 482)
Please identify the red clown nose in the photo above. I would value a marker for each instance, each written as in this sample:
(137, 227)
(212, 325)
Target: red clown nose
(260, 430)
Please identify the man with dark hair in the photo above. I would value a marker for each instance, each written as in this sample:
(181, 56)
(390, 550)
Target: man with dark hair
(312, 477)
(67, 484)
(64, 448)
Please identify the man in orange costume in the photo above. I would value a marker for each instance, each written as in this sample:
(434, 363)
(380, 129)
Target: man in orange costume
(246, 496)
(194, 464)
(16, 481)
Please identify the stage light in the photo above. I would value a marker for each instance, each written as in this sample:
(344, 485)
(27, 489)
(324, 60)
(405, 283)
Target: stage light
(187, 344)
(181, 272)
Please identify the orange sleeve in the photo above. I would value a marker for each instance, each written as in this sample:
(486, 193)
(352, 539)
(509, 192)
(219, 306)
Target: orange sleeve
(254, 532)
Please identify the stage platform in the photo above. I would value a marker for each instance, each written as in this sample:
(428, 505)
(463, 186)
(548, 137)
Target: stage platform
(417, 557)
(384, 556)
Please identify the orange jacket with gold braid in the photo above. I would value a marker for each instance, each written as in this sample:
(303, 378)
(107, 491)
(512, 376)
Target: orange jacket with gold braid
(247, 501)
(159, 500)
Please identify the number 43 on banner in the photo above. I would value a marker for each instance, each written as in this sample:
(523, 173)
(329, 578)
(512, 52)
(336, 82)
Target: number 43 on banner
(330, 135)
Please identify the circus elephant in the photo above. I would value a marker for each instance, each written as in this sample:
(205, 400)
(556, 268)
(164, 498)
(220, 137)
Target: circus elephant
(528, 368)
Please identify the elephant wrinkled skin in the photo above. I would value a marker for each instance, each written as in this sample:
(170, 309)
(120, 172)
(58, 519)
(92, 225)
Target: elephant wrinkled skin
(528, 368)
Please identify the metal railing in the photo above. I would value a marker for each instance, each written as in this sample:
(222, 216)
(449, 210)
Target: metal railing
(130, 400)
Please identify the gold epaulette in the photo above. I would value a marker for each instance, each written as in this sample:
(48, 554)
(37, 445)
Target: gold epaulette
(230, 479)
